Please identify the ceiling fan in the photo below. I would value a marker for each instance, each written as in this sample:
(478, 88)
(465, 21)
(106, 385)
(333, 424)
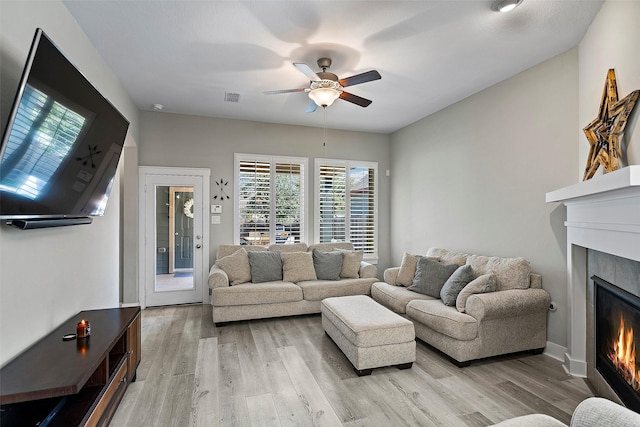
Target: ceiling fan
(326, 87)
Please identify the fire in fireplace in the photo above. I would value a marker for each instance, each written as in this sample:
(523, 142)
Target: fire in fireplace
(617, 332)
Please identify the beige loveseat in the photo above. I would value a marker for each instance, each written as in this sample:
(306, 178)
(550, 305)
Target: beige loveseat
(485, 320)
(592, 412)
(243, 301)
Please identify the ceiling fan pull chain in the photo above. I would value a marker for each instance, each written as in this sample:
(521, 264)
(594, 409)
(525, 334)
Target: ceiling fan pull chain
(325, 132)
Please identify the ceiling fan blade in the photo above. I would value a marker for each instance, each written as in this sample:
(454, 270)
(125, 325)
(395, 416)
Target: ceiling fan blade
(307, 71)
(355, 99)
(272, 92)
(360, 78)
(312, 107)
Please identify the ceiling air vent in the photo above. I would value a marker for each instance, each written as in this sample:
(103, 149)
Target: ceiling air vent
(231, 97)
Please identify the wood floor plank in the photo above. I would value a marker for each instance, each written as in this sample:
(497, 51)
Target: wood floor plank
(307, 388)
(262, 411)
(186, 362)
(291, 409)
(177, 401)
(233, 402)
(287, 372)
(205, 410)
(127, 404)
(251, 365)
(149, 402)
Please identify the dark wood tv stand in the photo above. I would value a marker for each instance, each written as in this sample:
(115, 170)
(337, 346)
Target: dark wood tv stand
(73, 383)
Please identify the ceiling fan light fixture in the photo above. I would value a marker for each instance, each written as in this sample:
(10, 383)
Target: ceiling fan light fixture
(324, 96)
(505, 5)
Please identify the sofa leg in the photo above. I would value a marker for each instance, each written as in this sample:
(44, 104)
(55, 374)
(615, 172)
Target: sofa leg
(363, 372)
(537, 350)
(405, 365)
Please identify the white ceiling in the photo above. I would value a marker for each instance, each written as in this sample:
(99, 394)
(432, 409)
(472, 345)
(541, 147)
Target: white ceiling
(187, 54)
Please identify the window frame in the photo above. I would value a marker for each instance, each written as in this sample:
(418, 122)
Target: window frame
(348, 165)
(272, 160)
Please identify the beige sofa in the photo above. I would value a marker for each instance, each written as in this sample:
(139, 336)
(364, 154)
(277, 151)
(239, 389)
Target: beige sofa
(281, 298)
(592, 412)
(510, 319)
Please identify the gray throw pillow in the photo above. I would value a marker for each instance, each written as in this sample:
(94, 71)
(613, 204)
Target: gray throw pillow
(455, 283)
(431, 276)
(328, 265)
(265, 266)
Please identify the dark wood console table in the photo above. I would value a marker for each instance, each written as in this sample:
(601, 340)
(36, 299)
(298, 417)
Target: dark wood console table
(73, 383)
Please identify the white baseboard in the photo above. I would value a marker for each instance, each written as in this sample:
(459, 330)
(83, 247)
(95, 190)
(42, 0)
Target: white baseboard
(556, 351)
(129, 304)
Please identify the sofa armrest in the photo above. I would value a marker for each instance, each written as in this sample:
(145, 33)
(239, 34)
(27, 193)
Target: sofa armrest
(217, 277)
(596, 411)
(536, 281)
(510, 303)
(367, 270)
(391, 275)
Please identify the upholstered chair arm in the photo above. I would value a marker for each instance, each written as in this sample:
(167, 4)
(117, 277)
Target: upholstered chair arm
(510, 303)
(367, 270)
(391, 275)
(217, 277)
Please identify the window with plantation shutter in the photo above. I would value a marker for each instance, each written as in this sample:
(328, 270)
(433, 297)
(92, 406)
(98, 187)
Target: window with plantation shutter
(269, 199)
(346, 204)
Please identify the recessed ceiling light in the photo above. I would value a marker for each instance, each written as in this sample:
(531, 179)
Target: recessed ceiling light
(505, 5)
(157, 107)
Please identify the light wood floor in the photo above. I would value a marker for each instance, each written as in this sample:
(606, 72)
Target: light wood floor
(287, 372)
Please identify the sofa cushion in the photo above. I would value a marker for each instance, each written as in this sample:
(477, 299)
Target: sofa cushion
(297, 266)
(455, 283)
(511, 273)
(331, 246)
(443, 319)
(288, 247)
(317, 290)
(484, 283)
(265, 266)
(226, 250)
(236, 266)
(431, 276)
(351, 264)
(407, 269)
(256, 293)
(446, 256)
(395, 298)
(328, 265)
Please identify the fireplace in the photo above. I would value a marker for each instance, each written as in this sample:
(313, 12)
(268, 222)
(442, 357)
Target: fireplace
(617, 334)
(602, 214)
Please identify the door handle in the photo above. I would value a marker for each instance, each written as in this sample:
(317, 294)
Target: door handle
(198, 246)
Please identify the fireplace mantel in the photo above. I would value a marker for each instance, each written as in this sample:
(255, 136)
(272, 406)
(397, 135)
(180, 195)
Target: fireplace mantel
(603, 214)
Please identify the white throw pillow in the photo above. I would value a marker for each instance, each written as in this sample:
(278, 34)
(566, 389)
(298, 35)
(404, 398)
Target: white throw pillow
(407, 269)
(351, 264)
(236, 266)
(297, 266)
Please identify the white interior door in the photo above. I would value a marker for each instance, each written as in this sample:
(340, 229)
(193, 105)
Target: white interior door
(174, 256)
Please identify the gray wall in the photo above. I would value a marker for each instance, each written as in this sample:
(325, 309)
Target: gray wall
(473, 176)
(48, 275)
(190, 141)
(610, 42)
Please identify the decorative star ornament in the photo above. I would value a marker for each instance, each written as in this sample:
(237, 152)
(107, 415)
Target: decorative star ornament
(604, 132)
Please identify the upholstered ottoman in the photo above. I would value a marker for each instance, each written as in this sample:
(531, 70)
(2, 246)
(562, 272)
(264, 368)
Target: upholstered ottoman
(370, 335)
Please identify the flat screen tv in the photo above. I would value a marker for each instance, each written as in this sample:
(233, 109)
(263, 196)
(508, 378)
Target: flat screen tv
(62, 142)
